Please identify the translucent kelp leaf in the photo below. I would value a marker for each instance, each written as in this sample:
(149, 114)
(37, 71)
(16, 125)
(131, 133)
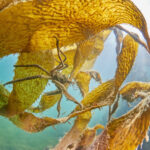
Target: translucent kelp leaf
(69, 61)
(88, 137)
(83, 81)
(25, 93)
(88, 51)
(102, 95)
(128, 92)
(47, 101)
(128, 131)
(126, 59)
(4, 94)
(32, 25)
(31, 123)
(99, 95)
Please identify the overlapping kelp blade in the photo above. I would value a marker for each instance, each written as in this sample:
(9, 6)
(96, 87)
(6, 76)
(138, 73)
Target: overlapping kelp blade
(25, 93)
(5, 3)
(47, 101)
(83, 81)
(4, 94)
(128, 92)
(102, 95)
(32, 25)
(88, 137)
(31, 123)
(125, 60)
(88, 51)
(69, 61)
(126, 132)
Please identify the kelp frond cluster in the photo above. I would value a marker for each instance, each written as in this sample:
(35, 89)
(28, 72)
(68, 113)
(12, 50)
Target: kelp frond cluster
(39, 30)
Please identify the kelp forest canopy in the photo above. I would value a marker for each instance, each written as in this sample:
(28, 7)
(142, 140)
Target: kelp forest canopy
(60, 41)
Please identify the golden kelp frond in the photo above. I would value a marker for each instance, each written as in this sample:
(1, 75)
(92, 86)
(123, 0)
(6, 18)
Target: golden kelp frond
(83, 81)
(4, 94)
(25, 93)
(32, 25)
(88, 137)
(5, 3)
(70, 59)
(88, 51)
(129, 90)
(47, 101)
(30, 123)
(128, 131)
(125, 60)
(102, 95)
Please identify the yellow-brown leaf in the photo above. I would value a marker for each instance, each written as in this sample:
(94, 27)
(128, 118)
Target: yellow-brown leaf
(125, 60)
(47, 101)
(32, 25)
(88, 51)
(128, 91)
(83, 81)
(126, 132)
(31, 123)
(4, 94)
(25, 93)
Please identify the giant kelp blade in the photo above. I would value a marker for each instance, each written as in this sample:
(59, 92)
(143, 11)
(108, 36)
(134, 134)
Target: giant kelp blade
(46, 102)
(102, 95)
(31, 123)
(83, 81)
(88, 137)
(32, 25)
(6, 3)
(4, 94)
(129, 91)
(126, 132)
(125, 60)
(25, 93)
(88, 51)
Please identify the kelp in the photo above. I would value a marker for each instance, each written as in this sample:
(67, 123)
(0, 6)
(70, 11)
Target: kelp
(83, 81)
(87, 52)
(33, 29)
(46, 102)
(125, 60)
(25, 93)
(126, 132)
(129, 91)
(4, 94)
(33, 24)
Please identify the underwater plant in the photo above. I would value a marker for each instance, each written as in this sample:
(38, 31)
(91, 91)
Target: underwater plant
(59, 41)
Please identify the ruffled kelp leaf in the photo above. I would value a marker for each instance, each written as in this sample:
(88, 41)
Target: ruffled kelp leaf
(4, 94)
(126, 132)
(5, 3)
(32, 25)
(88, 51)
(102, 95)
(129, 90)
(83, 81)
(125, 60)
(25, 93)
(47, 101)
(31, 123)
(69, 61)
(88, 137)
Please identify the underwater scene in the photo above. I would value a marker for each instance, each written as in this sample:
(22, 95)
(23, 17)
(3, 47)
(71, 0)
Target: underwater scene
(74, 75)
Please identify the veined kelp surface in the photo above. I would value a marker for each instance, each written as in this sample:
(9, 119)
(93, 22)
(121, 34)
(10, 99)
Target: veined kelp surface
(61, 47)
